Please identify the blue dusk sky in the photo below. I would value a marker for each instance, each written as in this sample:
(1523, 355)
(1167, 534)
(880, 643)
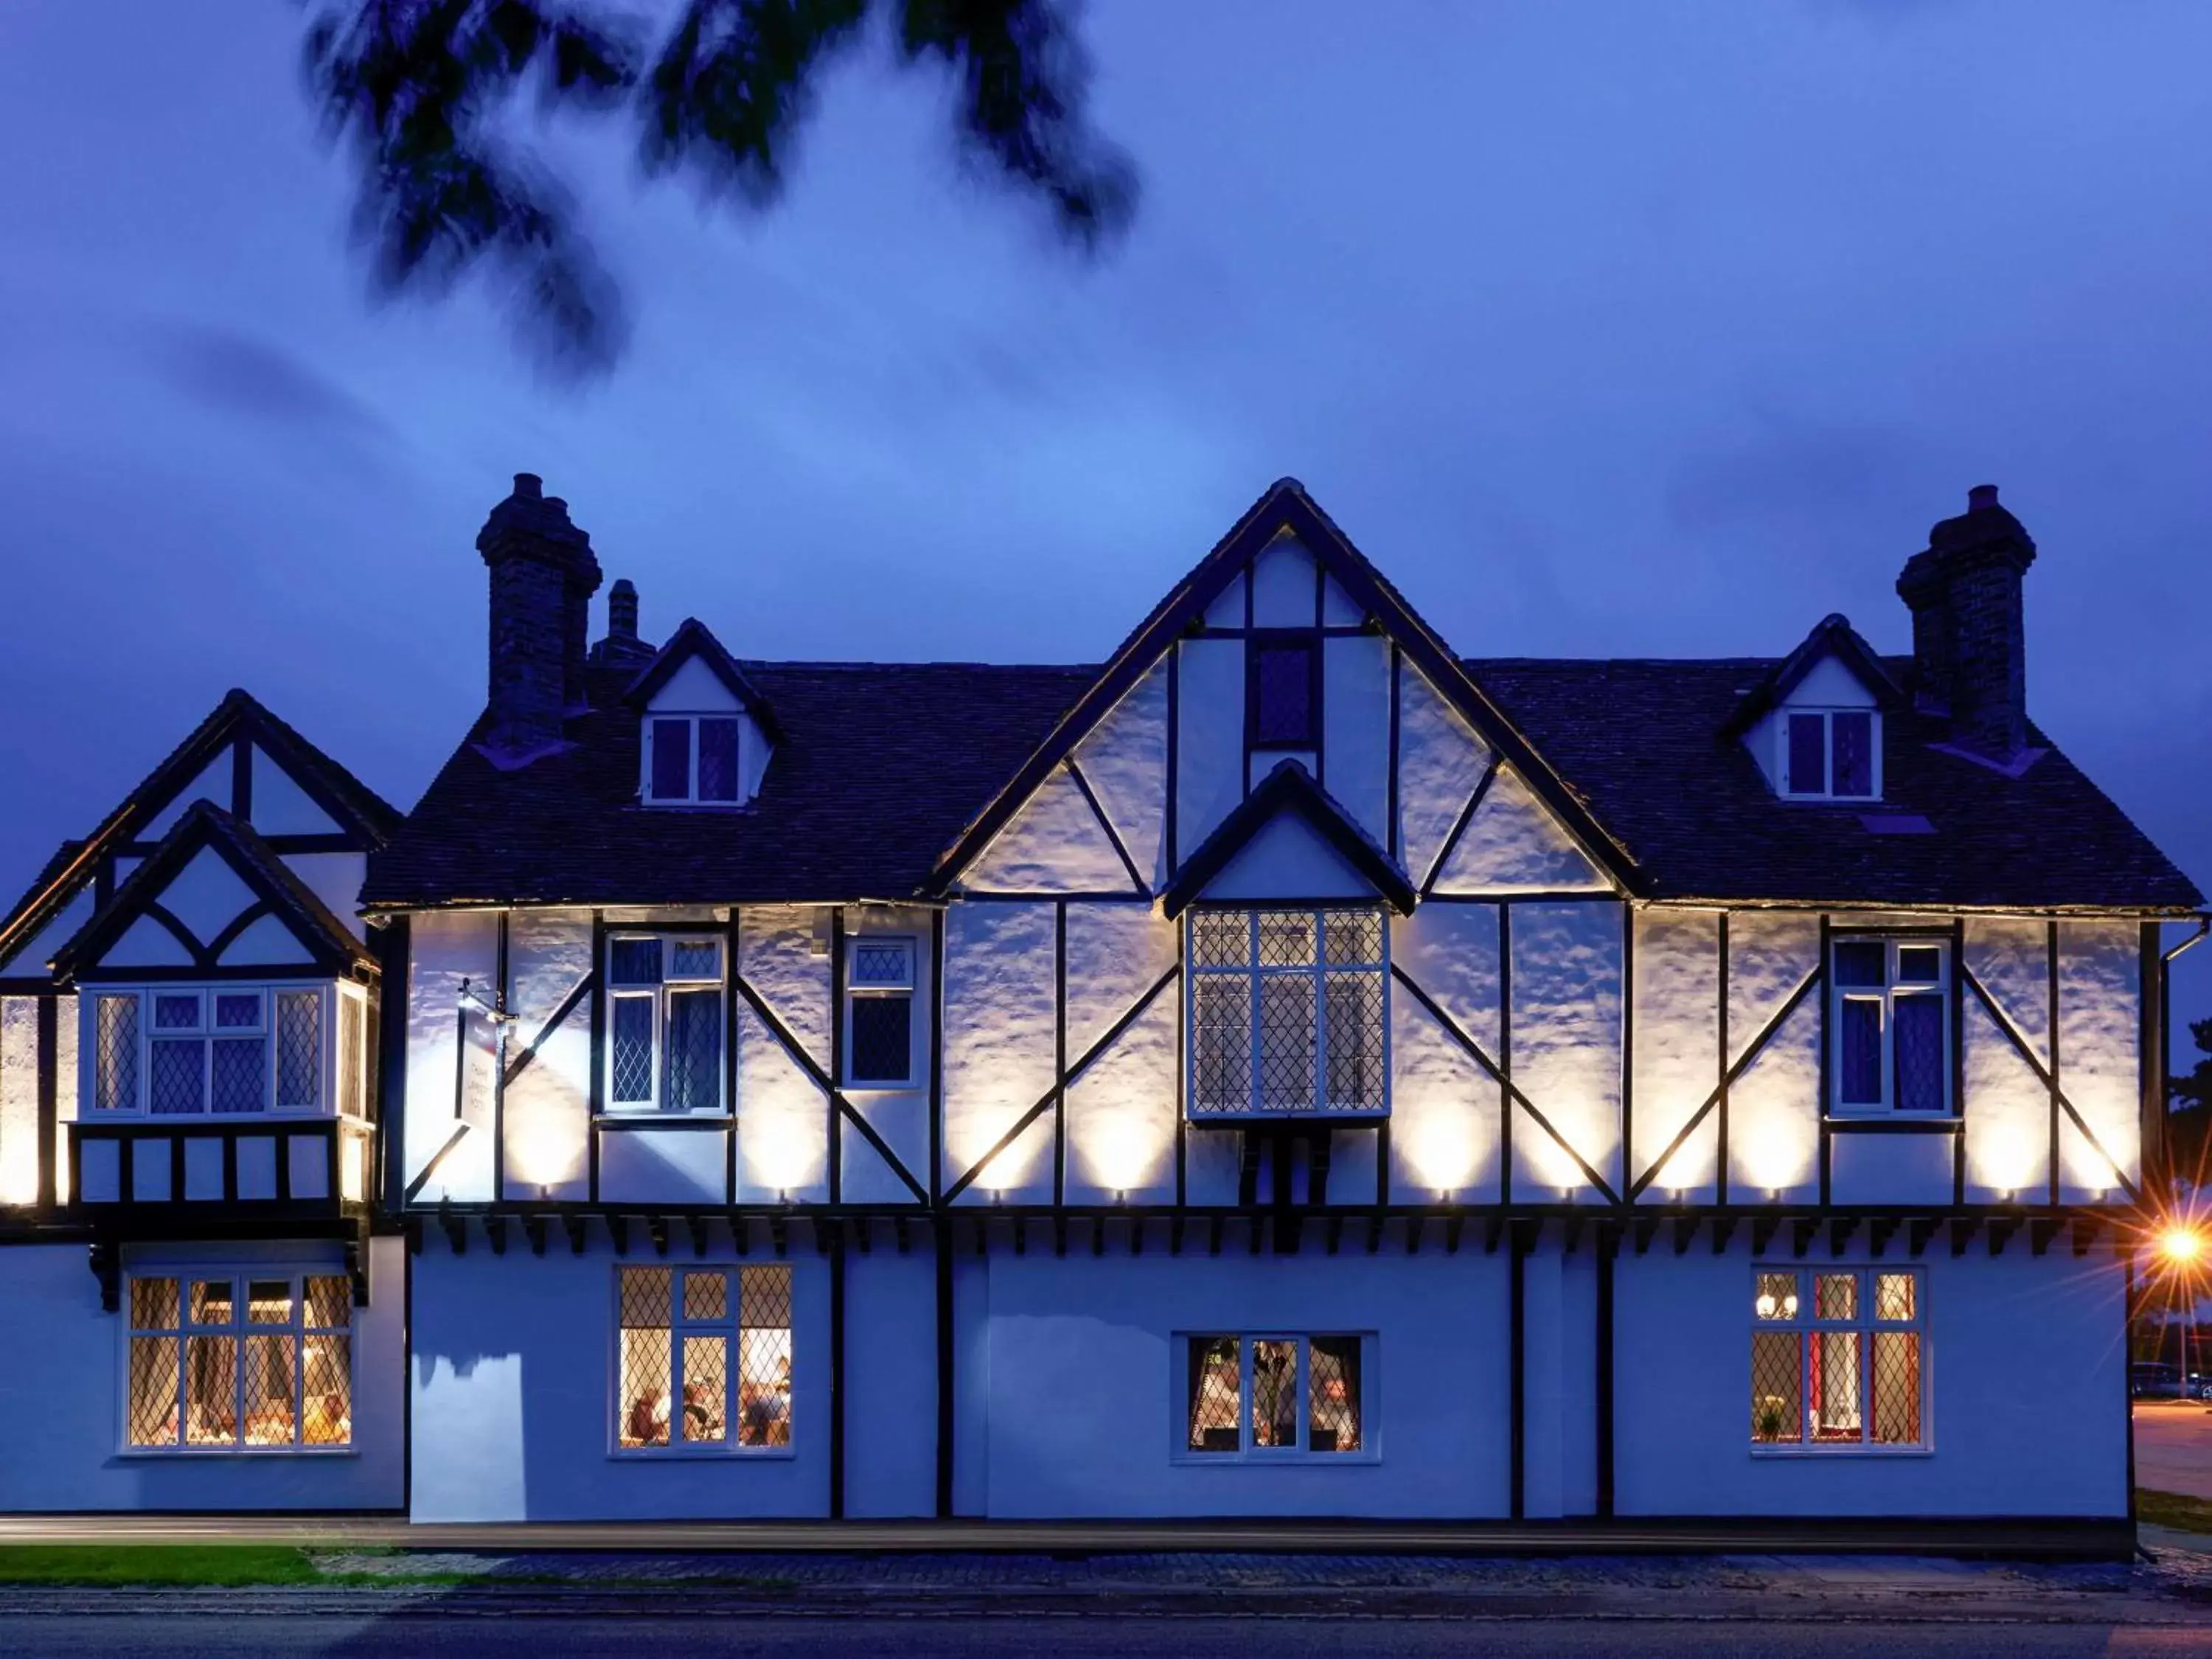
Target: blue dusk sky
(1606, 329)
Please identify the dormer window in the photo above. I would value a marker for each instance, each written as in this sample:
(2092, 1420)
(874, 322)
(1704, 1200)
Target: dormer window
(1831, 755)
(692, 760)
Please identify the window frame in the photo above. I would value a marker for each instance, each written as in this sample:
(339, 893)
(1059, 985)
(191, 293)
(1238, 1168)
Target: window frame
(1806, 1324)
(853, 992)
(1306, 639)
(731, 1326)
(1826, 713)
(693, 725)
(1254, 971)
(1249, 1455)
(207, 1033)
(668, 938)
(1941, 988)
(240, 1276)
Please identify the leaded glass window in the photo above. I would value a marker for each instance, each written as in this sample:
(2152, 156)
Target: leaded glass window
(1275, 1396)
(1835, 1358)
(1890, 1009)
(1284, 692)
(703, 1359)
(1286, 1012)
(257, 1362)
(225, 1051)
(880, 990)
(665, 1017)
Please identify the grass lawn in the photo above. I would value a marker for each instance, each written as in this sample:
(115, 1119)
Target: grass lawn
(206, 1564)
(2173, 1509)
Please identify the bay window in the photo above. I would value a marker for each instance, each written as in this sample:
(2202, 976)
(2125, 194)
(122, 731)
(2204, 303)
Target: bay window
(1889, 1009)
(1270, 1397)
(665, 1017)
(237, 1362)
(703, 1359)
(1837, 1359)
(1285, 1012)
(224, 1050)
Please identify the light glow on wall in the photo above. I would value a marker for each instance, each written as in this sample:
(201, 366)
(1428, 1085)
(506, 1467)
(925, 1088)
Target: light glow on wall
(1122, 1146)
(1775, 1152)
(19, 1170)
(783, 1148)
(1442, 1151)
(2005, 1157)
(545, 1151)
(1554, 1165)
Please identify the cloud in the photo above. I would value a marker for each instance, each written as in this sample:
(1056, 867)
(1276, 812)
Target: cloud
(239, 374)
(1790, 468)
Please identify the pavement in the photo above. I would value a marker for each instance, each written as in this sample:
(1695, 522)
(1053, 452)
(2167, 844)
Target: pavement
(367, 1637)
(2170, 1590)
(2173, 1446)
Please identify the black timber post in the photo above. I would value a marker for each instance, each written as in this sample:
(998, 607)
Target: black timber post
(1517, 1358)
(1721, 1129)
(837, 1104)
(2051, 1039)
(393, 943)
(1605, 1269)
(2150, 1049)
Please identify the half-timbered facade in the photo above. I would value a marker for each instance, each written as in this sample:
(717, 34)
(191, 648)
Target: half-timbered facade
(1286, 1070)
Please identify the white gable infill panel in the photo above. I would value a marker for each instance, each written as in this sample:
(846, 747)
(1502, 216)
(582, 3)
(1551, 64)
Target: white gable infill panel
(1440, 762)
(206, 896)
(213, 784)
(1125, 761)
(1209, 737)
(265, 942)
(1355, 683)
(1284, 584)
(280, 806)
(1057, 844)
(1287, 859)
(147, 943)
(1512, 844)
(693, 689)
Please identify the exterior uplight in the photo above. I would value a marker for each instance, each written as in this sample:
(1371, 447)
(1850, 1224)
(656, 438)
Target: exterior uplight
(2181, 1244)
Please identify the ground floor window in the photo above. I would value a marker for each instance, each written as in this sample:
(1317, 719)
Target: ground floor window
(1837, 1357)
(1274, 1395)
(248, 1362)
(703, 1359)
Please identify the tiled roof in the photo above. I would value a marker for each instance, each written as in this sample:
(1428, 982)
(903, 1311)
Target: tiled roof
(880, 766)
(883, 765)
(1641, 740)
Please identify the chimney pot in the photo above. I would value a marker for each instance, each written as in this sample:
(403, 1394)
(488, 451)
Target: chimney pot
(529, 486)
(1981, 496)
(543, 575)
(621, 610)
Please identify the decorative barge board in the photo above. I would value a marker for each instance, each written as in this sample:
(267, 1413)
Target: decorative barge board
(1284, 1069)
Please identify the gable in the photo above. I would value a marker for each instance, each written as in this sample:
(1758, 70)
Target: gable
(1288, 839)
(211, 897)
(1286, 859)
(693, 689)
(1282, 566)
(242, 760)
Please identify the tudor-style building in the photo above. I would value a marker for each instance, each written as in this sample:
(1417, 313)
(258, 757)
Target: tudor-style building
(1287, 1070)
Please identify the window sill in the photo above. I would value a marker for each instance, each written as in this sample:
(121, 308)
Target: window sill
(1841, 1451)
(288, 1114)
(648, 1118)
(1889, 1123)
(875, 1086)
(195, 1454)
(1282, 1459)
(704, 1455)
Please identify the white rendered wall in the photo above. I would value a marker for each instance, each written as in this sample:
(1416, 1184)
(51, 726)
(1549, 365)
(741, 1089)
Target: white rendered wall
(1355, 683)
(1512, 844)
(1000, 1013)
(1566, 1045)
(1774, 1105)
(547, 1111)
(1121, 1110)
(335, 879)
(1210, 738)
(901, 1117)
(2028, 1413)
(61, 1411)
(1445, 1107)
(1086, 1404)
(1677, 1051)
(1440, 761)
(514, 1387)
(1125, 760)
(1053, 844)
(38, 951)
(891, 1381)
(281, 807)
(19, 1099)
(2098, 1056)
(445, 948)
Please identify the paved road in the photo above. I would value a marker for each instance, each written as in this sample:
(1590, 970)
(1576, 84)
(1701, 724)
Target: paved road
(41, 1638)
(2173, 1447)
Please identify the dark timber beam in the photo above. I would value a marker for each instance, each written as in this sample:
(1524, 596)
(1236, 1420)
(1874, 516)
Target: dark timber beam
(1963, 1229)
(2041, 1231)
(533, 1229)
(1880, 1232)
(2001, 1228)
(1801, 1233)
(1917, 1236)
(1763, 1228)
(1723, 1231)
(1646, 1227)
(1839, 1234)
(656, 1229)
(2086, 1231)
(1685, 1233)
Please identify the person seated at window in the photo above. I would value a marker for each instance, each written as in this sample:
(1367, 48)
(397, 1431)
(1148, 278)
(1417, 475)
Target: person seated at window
(765, 1411)
(329, 1423)
(648, 1420)
(1336, 1413)
(701, 1420)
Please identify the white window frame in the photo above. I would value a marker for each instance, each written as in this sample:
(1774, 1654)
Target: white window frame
(1254, 970)
(854, 992)
(1826, 715)
(1894, 986)
(659, 995)
(1247, 1454)
(731, 1326)
(1805, 1326)
(648, 736)
(206, 1031)
(240, 1277)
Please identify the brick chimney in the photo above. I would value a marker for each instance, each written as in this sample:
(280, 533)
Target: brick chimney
(542, 577)
(621, 649)
(1969, 644)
